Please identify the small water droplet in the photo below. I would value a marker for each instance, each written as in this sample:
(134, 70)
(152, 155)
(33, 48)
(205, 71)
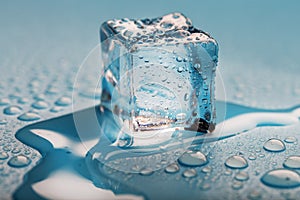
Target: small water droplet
(205, 186)
(3, 121)
(12, 110)
(172, 168)
(206, 169)
(19, 161)
(242, 176)
(40, 105)
(252, 157)
(189, 173)
(179, 69)
(146, 172)
(290, 139)
(29, 116)
(281, 178)
(63, 101)
(236, 185)
(193, 159)
(56, 109)
(274, 145)
(3, 155)
(292, 162)
(23, 100)
(4, 101)
(178, 59)
(236, 162)
(253, 195)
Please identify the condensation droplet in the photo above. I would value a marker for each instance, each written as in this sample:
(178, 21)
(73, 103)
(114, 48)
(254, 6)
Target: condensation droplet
(236, 162)
(189, 173)
(281, 178)
(292, 162)
(274, 145)
(63, 101)
(193, 159)
(3, 155)
(242, 176)
(19, 161)
(29, 116)
(40, 105)
(12, 110)
(172, 168)
(146, 172)
(290, 139)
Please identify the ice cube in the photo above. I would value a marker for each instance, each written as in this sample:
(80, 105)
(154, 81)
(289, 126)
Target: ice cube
(159, 73)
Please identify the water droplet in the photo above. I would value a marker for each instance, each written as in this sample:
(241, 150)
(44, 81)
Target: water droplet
(29, 116)
(146, 172)
(189, 173)
(63, 101)
(12, 110)
(206, 169)
(281, 178)
(3, 121)
(40, 105)
(180, 117)
(237, 185)
(252, 157)
(236, 162)
(197, 66)
(205, 186)
(186, 97)
(274, 145)
(290, 139)
(167, 25)
(172, 168)
(292, 162)
(19, 161)
(253, 195)
(193, 159)
(178, 59)
(242, 176)
(56, 109)
(4, 102)
(3, 155)
(23, 100)
(179, 69)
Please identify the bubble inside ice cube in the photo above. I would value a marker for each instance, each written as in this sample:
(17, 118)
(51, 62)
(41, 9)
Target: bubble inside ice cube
(158, 74)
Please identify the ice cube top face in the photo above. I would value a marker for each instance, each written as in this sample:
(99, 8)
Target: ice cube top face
(159, 73)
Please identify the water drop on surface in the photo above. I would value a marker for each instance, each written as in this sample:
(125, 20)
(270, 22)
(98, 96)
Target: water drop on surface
(4, 102)
(274, 145)
(40, 105)
(3, 121)
(206, 169)
(242, 176)
(19, 161)
(29, 116)
(189, 173)
(63, 101)
(193, 159)
(281, 178)
(290, 139)
(12, 110)
(146, 172)
(3, 155)
(292, 162)
(172, 168)
(237, 185)
(179, 69)
(56, 109)
(236, 162)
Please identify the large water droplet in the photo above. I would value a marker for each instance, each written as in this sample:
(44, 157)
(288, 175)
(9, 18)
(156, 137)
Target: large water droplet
(12, 110)
(281, 178)
(40, 105)
(63, 101)
(189, 173)
(290, 139)
(172, 168)
(193, 159)
(274, 145)
(3, 155)
(236, 162)
(292, 162)
(29, 116)
(19, 161)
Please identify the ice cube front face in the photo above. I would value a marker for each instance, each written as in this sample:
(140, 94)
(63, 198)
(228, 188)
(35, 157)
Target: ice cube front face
(158, 74)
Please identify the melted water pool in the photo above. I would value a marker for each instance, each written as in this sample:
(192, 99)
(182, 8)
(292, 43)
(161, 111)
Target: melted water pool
(69, 157)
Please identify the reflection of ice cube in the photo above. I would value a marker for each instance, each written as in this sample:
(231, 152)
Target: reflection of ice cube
(159, 73)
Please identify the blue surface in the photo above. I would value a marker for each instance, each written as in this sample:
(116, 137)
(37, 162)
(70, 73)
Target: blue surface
(44, 43)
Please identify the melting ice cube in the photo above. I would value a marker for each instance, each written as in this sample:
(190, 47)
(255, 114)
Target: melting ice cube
(159, 73)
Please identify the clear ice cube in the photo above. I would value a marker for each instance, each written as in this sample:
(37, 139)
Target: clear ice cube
(158, 74)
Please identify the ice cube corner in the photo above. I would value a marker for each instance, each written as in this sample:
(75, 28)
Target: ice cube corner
(159, 73)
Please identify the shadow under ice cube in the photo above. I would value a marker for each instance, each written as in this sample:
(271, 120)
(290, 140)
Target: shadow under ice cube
(158, 74)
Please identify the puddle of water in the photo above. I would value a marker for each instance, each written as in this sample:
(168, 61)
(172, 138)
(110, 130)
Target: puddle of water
(70, 168)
